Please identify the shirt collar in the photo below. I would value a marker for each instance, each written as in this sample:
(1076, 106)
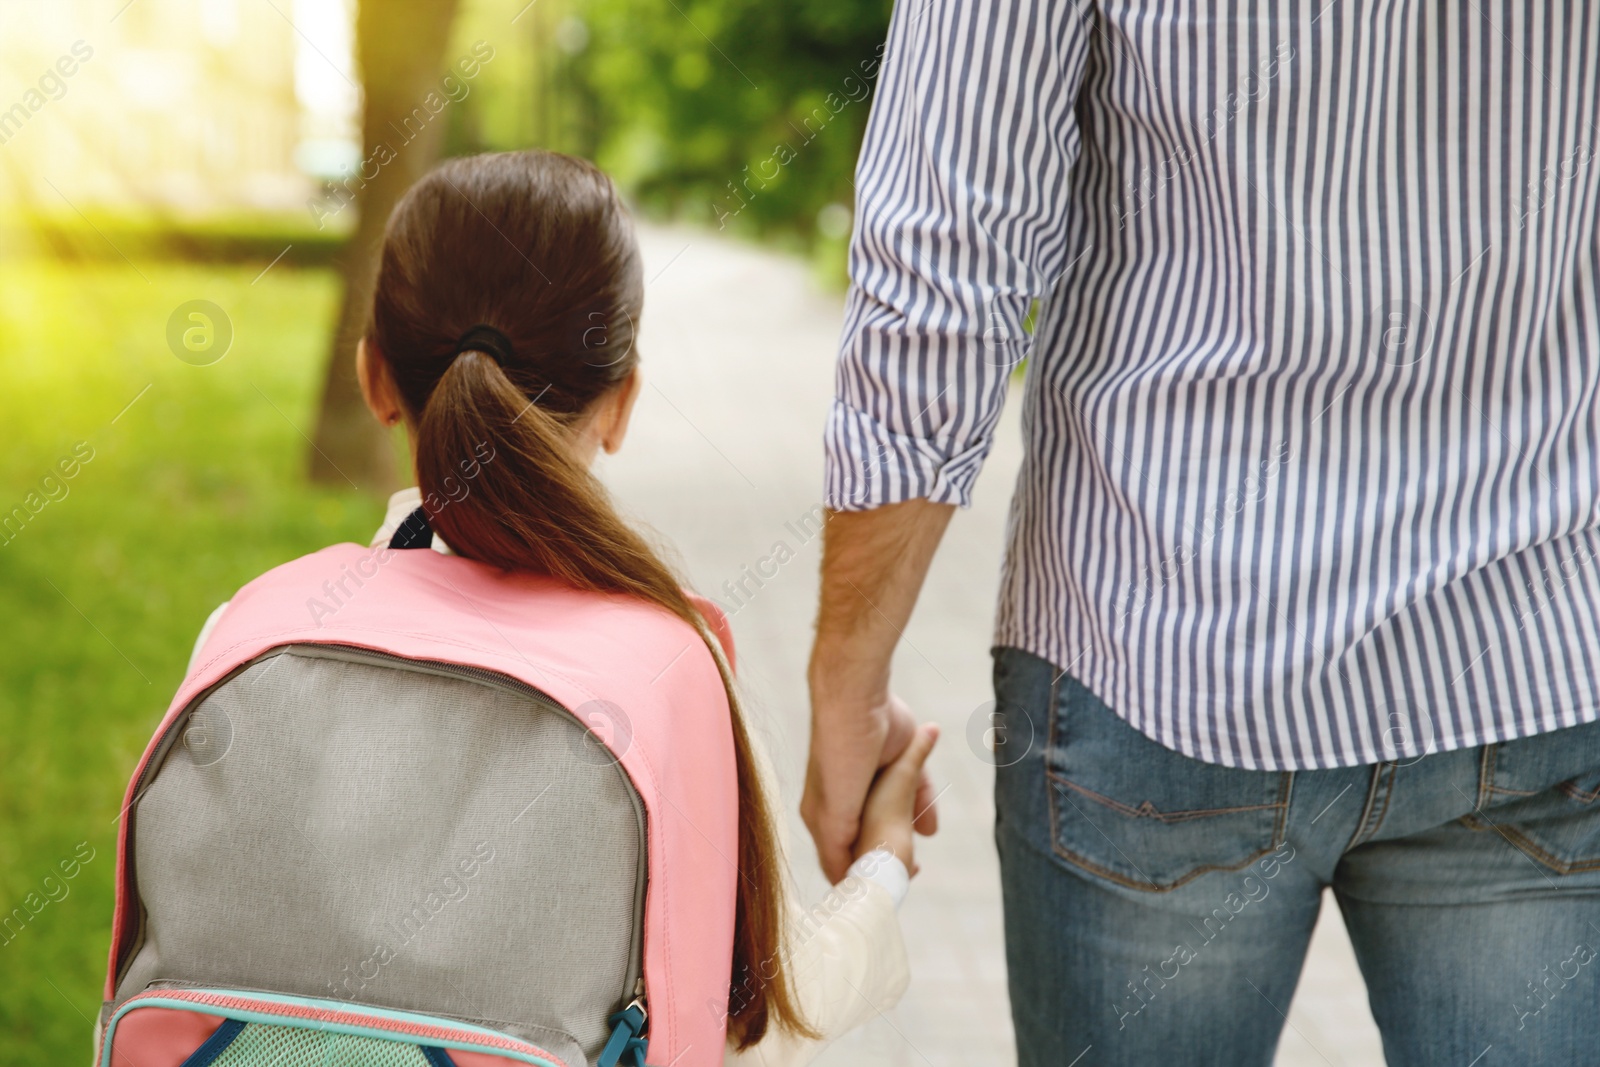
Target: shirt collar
(401, 505)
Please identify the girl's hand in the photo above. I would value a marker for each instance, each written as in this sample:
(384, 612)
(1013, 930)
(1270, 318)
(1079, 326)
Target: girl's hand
(890, 809)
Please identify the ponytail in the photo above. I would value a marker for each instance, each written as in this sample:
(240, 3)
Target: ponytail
(534, 507)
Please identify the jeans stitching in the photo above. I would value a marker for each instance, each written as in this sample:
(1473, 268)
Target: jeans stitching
(1051, 780)
(1053, 711)
(1388, 795)
(1285, 798)
(1087, 864)
(1154, 887)
(1149, 811)
(1520, 841)
(1489, 765)
(1578, 794)
(1366, 809)
(1486, 769)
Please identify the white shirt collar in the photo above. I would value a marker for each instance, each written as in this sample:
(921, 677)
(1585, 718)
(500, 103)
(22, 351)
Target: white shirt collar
(401, 505)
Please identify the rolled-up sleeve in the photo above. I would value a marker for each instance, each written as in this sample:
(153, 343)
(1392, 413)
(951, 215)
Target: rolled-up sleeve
(962, 221)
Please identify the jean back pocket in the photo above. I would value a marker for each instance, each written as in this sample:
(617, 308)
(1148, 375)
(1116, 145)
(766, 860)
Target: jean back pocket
(1542, 794)
(1134, 812)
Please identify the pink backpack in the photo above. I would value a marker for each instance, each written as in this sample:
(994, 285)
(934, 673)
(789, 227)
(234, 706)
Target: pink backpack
(408, 809)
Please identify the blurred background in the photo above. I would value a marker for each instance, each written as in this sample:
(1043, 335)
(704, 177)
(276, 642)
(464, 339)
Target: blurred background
(190, 194)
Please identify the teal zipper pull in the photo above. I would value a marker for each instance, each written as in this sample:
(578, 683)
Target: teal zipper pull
(625, 1046)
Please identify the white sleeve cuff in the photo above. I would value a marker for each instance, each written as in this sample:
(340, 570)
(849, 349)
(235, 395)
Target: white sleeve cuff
(885, 869)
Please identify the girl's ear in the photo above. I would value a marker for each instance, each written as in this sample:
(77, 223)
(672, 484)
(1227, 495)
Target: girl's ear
(377, 384)
(617, 411)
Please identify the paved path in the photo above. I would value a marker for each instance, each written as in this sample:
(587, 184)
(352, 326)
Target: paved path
(724, 461)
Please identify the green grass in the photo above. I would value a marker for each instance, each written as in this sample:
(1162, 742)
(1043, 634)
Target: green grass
(192, 490)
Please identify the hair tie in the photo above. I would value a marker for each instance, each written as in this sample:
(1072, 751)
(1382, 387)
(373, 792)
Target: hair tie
(488, 340)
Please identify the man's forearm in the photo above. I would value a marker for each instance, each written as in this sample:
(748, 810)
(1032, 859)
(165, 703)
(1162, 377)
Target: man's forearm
(873, 566)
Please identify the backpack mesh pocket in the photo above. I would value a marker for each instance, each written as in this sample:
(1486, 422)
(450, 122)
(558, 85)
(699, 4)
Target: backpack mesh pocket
(267, 1045)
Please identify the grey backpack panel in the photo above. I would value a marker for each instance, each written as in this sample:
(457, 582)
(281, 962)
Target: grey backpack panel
(342, 824)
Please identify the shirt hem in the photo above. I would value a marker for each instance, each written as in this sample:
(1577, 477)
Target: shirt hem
(1093, 679)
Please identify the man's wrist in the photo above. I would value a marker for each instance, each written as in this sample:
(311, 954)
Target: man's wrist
(842, 672)
(837, 691)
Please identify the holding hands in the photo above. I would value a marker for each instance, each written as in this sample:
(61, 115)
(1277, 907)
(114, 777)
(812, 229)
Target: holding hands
(866, 773)
(893, 801)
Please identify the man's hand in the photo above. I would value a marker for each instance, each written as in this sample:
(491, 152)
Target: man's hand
(850, 742)
(873, 565)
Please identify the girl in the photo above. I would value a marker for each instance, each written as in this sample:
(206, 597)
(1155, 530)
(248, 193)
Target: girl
(503, 326)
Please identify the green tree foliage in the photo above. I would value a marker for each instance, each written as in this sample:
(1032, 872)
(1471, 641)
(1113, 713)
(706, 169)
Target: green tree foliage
(743, 114)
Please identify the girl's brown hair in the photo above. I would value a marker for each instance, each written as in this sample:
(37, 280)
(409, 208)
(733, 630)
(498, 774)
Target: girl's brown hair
(538, 246)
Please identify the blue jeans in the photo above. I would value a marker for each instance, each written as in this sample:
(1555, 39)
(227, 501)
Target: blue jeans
(1158, 909)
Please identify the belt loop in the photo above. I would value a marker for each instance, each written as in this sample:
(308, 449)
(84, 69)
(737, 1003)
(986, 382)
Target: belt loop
(1363, 831)
(1485, 776)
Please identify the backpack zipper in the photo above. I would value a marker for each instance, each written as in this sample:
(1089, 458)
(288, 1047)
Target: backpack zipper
(625, 1046)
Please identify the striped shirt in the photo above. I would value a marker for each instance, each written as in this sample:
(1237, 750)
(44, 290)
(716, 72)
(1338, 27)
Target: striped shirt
(1307, 294)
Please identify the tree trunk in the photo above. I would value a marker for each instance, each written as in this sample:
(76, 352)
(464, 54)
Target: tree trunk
(400, 47)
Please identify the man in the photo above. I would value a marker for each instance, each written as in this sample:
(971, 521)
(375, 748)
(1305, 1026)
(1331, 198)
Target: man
(1301, 588)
